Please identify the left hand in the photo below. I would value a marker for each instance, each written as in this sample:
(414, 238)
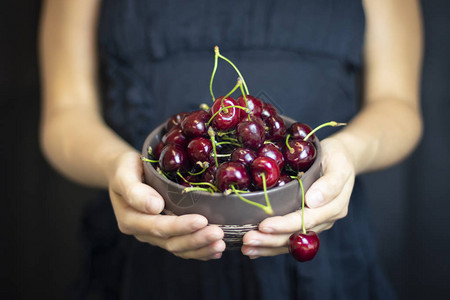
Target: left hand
(327, 200)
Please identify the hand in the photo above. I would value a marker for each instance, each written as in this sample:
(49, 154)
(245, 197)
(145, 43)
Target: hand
(327, 200)
(137, 207)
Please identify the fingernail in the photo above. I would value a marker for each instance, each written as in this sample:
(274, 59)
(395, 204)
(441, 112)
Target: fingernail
(198, 223)
(267, 229)
(252, 243)
(315, 199)
(217, 255)
(251, 252)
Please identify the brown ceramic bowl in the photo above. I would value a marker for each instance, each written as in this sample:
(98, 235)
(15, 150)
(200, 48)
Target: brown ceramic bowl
(229, 212)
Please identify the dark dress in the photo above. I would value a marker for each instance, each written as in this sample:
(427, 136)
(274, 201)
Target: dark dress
(303, 56)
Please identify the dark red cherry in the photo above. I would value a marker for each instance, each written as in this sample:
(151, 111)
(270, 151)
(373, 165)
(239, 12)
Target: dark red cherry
(244, 156)
(301, 155)
(275, 128)
(304, 246)
(232, 173)
(270, 169)
(251, 133)
(300, 131)
(254, 104)
(194, 124)
(175, 136)
(175, 120)
(227, 118)
(272, 151)
(158, 149)
(268, 111)
(210, 174)
(198, 149)
(284, 178)
(173, 158)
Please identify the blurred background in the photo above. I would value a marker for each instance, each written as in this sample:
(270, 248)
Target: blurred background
(40, 250)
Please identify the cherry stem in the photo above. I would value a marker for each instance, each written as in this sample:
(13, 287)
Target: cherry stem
(331, 123)
(216, 50)
(269, 207)
(229, 143)
(246, 103)
(222, 109)
(196, 188)
(161, 172)
(222, 133)
(303, 202)
(204, 107)
(216, 56)
(223, 155)
(213, 142)
(287, 143)
(197, 183)
(267, 210)
(238, 84)
(204, 166)
(149, 160)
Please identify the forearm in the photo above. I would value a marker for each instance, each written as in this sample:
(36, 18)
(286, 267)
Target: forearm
(81, 146)
(382, 134)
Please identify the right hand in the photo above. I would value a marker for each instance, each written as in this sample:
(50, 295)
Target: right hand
(137, 207)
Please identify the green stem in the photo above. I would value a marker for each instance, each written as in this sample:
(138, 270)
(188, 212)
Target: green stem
(269, 207)
(267, 210)
(161, 172)
(213, 142)
(149, 160)
(235, 68)
(223, 108)
(246, 103)
(197, 183)
(303, 203)
(216, 56)
(331, 123)
(229, 143)
(238, 84)
(287, 143)
(205, 167)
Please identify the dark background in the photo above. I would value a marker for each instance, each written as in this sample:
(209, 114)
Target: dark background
(40, 211)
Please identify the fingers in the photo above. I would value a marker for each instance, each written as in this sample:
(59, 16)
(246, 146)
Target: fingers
(203, 244)
(330, 185)
(127, 182)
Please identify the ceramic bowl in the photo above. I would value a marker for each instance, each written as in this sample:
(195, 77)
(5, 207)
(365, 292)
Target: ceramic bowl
(229, 212)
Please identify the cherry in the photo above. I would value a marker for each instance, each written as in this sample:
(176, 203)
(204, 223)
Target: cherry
(300, 131)
(268, 111)
(228, 117)
(175, 120)
(232, 173)
(284, 178)
(275, 128)
(304, 246)
(254, 104)
(175, 136)
(194, 124)
(199, 149)
(244, 156)
(272, 151)
(300, 154)
(158, 149)
(173, 158)
(210, 174)
(270, 169)
(251, 133)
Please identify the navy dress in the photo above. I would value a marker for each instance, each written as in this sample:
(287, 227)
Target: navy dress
(304, 57)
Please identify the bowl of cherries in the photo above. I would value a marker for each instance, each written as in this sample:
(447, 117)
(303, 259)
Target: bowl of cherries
(236, 162)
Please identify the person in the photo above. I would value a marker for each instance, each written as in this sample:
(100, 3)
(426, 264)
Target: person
(114, 70)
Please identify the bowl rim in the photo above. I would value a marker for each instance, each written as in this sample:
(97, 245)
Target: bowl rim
(160, 128)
